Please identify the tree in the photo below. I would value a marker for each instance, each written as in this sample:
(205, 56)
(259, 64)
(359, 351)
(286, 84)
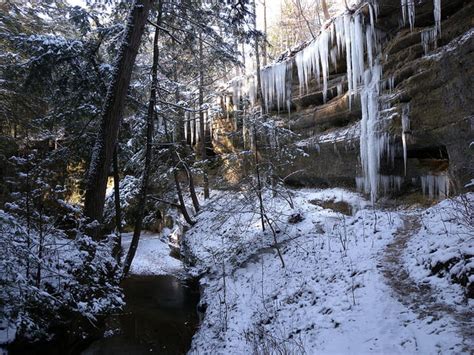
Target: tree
(113, 111)
(142, 199)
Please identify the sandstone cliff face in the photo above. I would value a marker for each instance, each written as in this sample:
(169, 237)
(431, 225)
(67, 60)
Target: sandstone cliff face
(427, 102)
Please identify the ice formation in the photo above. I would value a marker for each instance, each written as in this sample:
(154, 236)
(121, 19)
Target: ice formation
(435, 186)
(273, 79)
(236, 92)
(186, 120)
(390, 183)
(371, 148)
(429, 38)
(346, 33)
(405, 130)
(437, 15)
(408, 12)
(252, 89)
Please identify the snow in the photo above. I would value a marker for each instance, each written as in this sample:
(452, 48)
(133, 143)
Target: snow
(446, 233)
(153, 255)
(332, 295)
(349, 133)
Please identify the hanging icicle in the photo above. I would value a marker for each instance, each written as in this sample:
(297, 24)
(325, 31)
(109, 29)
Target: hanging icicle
(435, 186)
(405, 130)
(274, 84)
(408, 12)
(437, 15)
(371, 149)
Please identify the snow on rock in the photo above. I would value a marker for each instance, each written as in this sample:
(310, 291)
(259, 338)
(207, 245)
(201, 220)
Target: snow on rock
(153, 255)
(330, 297)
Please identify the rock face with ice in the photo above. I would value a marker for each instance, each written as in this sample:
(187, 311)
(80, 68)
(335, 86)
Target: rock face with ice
(392, 90)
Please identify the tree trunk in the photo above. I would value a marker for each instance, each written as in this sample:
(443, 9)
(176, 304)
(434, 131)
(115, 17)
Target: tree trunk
(148, 155)
(112, 112)
(259, 182)
(201, 119)
(182, 205)
(324, 6)
(192, 190)
(257, 56)
(264, 49)
(117, 249)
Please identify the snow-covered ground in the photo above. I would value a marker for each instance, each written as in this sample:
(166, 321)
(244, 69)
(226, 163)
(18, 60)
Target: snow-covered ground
(339, 291)
(442, 249)
(153, 255)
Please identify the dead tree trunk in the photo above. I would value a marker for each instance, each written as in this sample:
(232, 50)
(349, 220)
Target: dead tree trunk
(113, 110)
(148, 155)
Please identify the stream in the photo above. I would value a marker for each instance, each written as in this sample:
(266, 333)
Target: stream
(159, 317)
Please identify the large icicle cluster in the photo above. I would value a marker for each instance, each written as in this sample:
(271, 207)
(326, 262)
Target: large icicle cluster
(351, 36)
(347, 35)
(435, 186)
(274, 84)
(429, 36)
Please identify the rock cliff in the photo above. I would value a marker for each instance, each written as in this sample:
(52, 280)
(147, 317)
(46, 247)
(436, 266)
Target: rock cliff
(424, 96)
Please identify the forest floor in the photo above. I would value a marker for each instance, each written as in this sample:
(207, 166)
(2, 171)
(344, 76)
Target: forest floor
(355, 280)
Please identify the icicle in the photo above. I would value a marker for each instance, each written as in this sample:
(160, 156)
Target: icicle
(339, 89)
(324, 60)
(273, 81)
(370, 147)
(192, 123)
(346, 36)
(360, 183)
(198, 129)
(408, 12)
(405, 130)
(186, 119)
(236, 93)
(435, 186)
(390, 183)
(429, 38)
(437, 15)
(252, 90)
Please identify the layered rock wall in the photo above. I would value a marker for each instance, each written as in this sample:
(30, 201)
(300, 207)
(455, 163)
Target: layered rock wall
(426, 105)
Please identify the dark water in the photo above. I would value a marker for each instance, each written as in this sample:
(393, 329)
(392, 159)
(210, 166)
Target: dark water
(160, 317)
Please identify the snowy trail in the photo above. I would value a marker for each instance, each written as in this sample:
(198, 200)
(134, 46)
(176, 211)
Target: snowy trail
(342, 290)
(420, 297)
